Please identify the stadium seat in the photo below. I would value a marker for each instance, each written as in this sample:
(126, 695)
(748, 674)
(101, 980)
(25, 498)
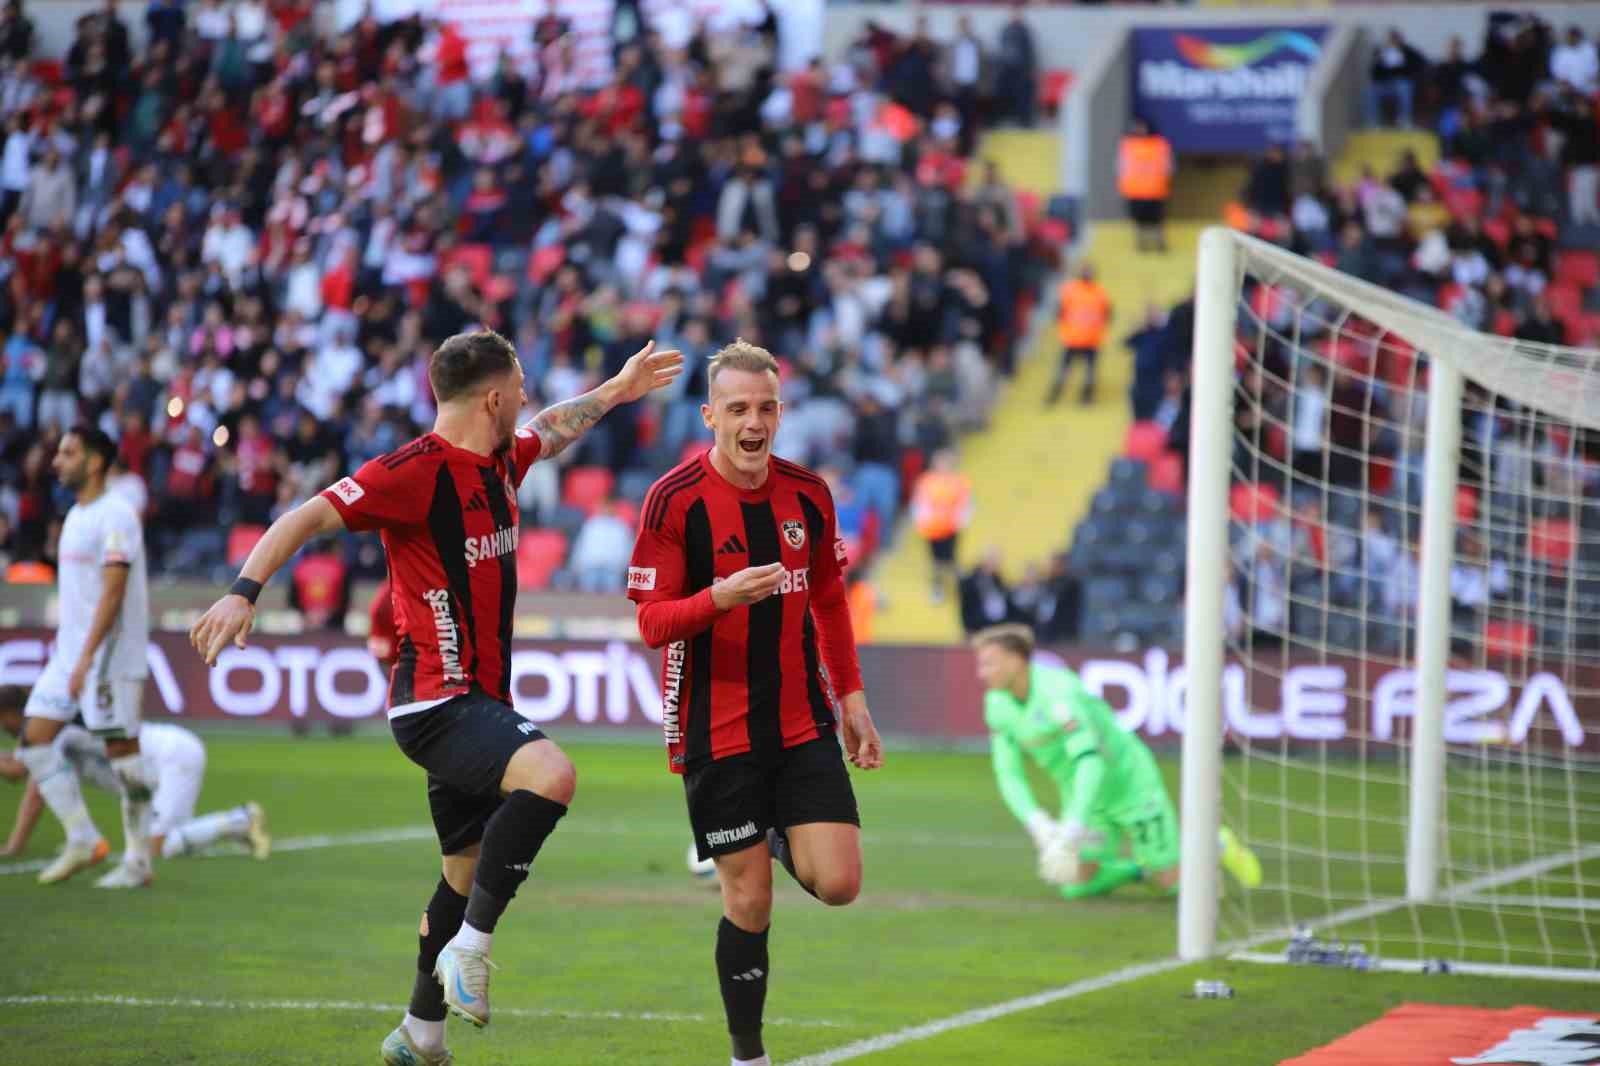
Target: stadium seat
(540, 553)
(545, 262)
(477, 258)
(587, 487)
(1125, 471)
(1103, 592)
(1167, 474)
(1497, 230)
(1577, 267)
(634, 484)
(1145, 441)
(1466, 504)
(1505, 637)
(241, 540)
(1565, 299)
(1053, 88)
(1552, 540)
(1252, 503)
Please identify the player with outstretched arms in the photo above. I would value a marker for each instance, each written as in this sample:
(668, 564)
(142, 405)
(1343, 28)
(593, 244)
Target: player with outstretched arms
(738, 574)
(1117, 823)
(97, 669)
(178, 760)
(446, 506)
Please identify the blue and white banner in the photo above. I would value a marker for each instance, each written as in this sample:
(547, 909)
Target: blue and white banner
(1223, 89)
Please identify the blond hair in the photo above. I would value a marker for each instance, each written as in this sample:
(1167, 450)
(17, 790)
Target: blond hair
(741, 355)
(1013, 637)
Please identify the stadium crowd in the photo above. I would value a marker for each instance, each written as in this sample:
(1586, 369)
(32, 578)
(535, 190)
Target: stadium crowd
(235, 247)
(1502, 233)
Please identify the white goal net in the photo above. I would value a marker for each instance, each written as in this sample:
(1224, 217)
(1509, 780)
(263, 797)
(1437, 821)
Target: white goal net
(1397, 521)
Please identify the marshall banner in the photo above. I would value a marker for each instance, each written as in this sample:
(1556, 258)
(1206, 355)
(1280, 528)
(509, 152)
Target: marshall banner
(913, 691)
(1223, 89)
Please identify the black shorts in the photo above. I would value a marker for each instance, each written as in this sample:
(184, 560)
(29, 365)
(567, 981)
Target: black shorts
(943, 549)
(735, 800)
(464, 744)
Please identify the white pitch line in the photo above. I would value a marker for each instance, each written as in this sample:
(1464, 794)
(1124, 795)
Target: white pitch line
(970, 1018)
(967, 1019)
(376, 1008)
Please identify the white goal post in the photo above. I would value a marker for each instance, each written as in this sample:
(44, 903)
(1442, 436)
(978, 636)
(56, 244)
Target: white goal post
(1392, 633)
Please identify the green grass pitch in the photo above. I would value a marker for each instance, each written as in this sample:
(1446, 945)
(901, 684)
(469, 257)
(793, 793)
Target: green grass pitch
(606, 954)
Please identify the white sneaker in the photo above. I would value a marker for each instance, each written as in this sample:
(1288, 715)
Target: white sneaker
(260, 839)
(126, 875)
(400, 1050)
(74, 857)
(464, 976)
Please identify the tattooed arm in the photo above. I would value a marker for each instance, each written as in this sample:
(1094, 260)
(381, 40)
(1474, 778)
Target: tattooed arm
(561, 424)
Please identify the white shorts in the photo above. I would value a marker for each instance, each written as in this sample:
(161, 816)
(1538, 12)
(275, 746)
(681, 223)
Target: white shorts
(182, 770)
(111, 709)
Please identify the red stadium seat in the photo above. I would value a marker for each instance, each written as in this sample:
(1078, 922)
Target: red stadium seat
(540, 553)
(1166, 473)
(1581, 268)
(477, 258)
(1466, 504)
(1145, 441)
(241, 539)
(1565, 299)
(1508, 638)
(1252, 503)
(1053, 89)
(587, 487)
(1552, 540)
(545, 262)
(1497, 230)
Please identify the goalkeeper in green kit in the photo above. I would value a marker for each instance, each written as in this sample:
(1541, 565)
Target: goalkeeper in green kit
(1117, 822)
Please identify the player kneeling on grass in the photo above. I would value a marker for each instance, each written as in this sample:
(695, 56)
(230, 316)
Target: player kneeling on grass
(178, 760)
(1117, 822)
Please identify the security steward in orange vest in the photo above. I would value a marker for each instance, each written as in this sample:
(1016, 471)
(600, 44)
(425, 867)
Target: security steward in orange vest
(1144, 178)
(1083, 314)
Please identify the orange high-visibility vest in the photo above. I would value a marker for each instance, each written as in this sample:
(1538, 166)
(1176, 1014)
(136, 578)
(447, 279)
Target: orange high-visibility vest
(940, 503)
(1085, 313)
(1144, 168)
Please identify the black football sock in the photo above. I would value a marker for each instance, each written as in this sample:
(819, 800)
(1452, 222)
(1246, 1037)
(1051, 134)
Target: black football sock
(511, 840)
(439, 923)
(742, 970)
(778, 844)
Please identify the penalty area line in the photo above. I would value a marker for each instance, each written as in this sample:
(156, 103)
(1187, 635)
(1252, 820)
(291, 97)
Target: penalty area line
(186, 1003)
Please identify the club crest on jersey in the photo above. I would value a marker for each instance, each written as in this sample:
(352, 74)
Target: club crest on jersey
(794, 533)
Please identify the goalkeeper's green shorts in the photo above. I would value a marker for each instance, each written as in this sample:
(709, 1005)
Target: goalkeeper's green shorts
(1146, 830)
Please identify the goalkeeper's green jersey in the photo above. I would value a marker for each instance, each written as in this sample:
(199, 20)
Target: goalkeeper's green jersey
(1074, 736)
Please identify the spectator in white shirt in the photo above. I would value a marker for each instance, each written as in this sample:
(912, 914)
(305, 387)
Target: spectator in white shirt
(228, 243)
(1575, 63)
(15, 165)
(601, 550)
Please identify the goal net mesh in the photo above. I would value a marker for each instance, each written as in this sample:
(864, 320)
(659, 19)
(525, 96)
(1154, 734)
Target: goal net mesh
(1330, 431)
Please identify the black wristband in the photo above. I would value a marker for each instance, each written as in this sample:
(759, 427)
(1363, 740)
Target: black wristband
(246, 588)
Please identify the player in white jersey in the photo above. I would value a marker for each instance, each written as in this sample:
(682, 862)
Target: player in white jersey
(179, 759)
(98, 667)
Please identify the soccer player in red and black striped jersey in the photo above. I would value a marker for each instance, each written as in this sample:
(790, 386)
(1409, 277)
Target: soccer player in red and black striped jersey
(447, 510)
(738, 573)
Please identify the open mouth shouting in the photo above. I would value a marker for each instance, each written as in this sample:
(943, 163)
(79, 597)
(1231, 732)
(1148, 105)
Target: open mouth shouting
(752, 445)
